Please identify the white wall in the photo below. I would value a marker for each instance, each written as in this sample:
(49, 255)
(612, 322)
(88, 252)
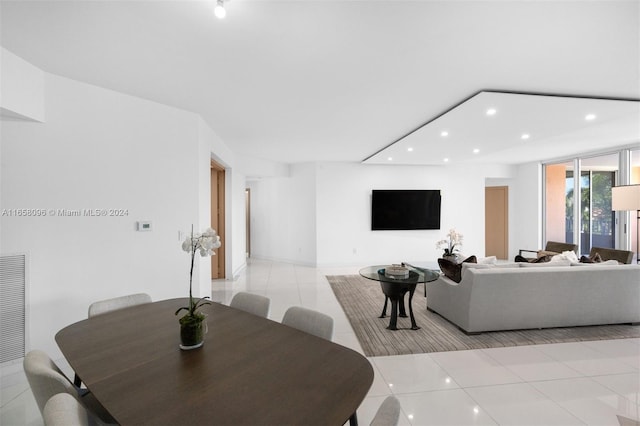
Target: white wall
(102, 150)
(344, 212)
(21, 88)
(283, 216)
(525, 206)
(525, 218)
(335, 200)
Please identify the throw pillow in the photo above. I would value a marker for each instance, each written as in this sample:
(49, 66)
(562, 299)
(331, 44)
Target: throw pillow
(490, 260)
(561, 262)
(566, 255)
(453, 270)
(543, 259)
(596, 258)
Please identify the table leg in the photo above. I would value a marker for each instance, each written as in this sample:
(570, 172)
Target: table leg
(393, 322)
(353, 420)
(402, 312)
(384, 309)
(414, 326)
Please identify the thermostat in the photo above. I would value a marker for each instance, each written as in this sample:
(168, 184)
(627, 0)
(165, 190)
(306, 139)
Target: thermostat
(144, 225)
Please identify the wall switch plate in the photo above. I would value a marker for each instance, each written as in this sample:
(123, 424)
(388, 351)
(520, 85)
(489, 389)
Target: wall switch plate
(144, 225)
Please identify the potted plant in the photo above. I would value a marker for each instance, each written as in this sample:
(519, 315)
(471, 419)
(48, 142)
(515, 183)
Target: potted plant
(450, 245)
(192, 326)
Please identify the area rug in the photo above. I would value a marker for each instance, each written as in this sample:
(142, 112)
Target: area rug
(362, 301)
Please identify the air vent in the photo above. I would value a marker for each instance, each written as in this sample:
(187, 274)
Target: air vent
(12, 307)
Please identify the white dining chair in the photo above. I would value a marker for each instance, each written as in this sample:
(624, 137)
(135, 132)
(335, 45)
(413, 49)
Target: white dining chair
(253, 303)
(108, 305)
(46, 380)
(113, 304)
(388, 413)
(63, 409)
(309, 321)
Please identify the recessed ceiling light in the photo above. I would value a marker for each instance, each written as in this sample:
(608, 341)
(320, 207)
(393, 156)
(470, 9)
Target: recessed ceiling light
(590, 117)
(525, 136)
(410, 149)
(445, 160)
(491, 111)
(444, 133)
(390, 159)
(475, 151)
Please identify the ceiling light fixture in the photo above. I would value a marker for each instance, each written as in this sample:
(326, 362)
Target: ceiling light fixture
(590, 117)
(410, 149)
(219, 10)
(390, 158)
(491, 111)
(525, 136)
(475, 151)
(444, 134)
(446, 160)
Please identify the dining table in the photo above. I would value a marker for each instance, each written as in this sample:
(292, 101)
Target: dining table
(250, 370)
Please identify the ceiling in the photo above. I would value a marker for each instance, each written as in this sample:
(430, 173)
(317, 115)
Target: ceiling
(303, 80)
(504, 126)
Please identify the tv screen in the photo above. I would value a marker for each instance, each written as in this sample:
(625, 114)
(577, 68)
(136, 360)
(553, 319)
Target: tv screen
(405, 209)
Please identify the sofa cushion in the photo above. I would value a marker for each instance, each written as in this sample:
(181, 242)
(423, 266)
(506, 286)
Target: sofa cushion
(453, 270)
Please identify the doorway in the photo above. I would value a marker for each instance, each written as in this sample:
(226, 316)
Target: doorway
(218, 218)
(496, 221)
(247, 200)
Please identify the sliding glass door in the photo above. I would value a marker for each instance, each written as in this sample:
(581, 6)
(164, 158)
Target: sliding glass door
(634, 179)
(597, 220)
(585, 219)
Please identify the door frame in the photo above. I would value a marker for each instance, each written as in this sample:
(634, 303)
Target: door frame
(218, 207)
(503, 189)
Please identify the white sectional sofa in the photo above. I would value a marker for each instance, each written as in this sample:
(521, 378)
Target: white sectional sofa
(512, 297)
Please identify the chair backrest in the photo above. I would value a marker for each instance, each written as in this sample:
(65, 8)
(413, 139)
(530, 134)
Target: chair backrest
(622, 256)
(64, 410)
(108, 305)
(45, 378)
(388, 413)
(309, 321)
(559, 247)
(253, 303)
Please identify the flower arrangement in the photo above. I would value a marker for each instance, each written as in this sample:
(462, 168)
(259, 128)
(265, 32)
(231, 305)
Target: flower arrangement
(451, 244)
(205, 244)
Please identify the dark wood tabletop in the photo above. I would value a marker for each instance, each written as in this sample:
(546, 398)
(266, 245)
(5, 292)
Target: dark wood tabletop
(250, 371)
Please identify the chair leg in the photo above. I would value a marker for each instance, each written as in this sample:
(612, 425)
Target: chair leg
(77, 381)
(353, 420)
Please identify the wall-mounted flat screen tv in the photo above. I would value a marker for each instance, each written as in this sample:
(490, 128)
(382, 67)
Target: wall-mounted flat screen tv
(405, 209)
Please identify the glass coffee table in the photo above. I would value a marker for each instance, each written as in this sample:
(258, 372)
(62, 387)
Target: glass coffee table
(394, 289)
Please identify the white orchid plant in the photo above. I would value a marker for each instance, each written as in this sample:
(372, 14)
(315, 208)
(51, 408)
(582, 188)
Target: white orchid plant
(205, 244)
(450, 244)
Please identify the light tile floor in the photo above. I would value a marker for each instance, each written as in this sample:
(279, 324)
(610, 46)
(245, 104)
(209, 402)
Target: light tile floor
(558, 384)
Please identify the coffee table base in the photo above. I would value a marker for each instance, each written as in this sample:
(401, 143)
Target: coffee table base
(397, 298)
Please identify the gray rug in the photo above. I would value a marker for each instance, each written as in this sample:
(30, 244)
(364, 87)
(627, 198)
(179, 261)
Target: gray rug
(362, 301)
